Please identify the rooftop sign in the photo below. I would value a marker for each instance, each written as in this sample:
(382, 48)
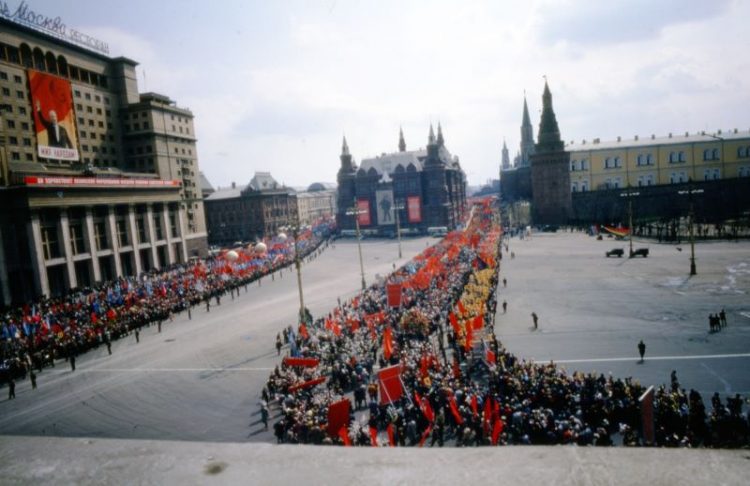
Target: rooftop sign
(50, 25)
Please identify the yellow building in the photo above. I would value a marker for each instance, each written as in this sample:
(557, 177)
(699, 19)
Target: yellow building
(596, 165)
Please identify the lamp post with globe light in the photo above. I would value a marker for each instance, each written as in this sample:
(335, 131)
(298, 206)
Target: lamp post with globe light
(355, 211)
(297, 264)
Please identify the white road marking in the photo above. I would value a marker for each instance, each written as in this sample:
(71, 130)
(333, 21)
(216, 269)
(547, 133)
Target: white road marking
(647, 358)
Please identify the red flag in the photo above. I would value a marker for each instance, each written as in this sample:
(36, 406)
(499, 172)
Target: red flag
(391, 436)
(491, 356)
(497, 430)
(307, 384)
(336, 329)
(393, 291)
(469, 337)
(478, 322)
(454, 410)
(461, 308)
(425, 435)
(426, 408)
(389, 382)
(387, 343)
(344, 435)
(373, 436)
(456, 369)
(303, 331)
(338, 416)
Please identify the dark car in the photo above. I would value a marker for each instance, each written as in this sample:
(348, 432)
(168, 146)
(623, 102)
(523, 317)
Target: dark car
(639, 252)
(618, 252)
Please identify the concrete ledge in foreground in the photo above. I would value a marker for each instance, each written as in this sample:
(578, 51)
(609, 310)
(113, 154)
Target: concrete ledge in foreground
(42, 460)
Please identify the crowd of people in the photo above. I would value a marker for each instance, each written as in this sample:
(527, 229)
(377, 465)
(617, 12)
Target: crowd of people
(455, 383)
(39, 333)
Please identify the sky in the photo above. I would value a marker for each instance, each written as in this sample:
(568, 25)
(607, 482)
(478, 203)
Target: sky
(274, 85)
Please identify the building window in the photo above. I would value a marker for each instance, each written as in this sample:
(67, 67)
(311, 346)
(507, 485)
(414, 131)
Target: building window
(574, 187)
(711, 174)
(77, 242)
(173, 224)
(711, 154)
(122, 231)
(157, 226)
(743, 152)
(6, 92)
(50, 241)
(140, 223)
(19, 94)
(743, 172)
(573, 164)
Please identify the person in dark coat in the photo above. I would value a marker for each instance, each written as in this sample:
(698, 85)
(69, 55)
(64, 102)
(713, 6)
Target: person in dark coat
(642, 349)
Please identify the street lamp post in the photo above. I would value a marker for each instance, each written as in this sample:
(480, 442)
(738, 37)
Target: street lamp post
(298, 266)
(691, 215)
(354, 211)
(630, 195)
(397, 208)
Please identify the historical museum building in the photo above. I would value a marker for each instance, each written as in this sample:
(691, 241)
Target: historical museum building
(249, 213)
(97, 180)
(417, 189)
(316, 202)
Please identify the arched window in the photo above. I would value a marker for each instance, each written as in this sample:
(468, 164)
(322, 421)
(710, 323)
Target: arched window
(682, 156)
(672, 157)
(51, 62)
(707, 154)
(27, 59)
(39, 63)
(411, 168)
(573, 164)
(650, 159)
(62, 66)
(715, 154)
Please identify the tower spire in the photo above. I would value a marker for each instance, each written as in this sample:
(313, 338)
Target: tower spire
(440, 139)
(549, 132)
(431, 137)
(401, 141)
(345, 147)
(527, 135)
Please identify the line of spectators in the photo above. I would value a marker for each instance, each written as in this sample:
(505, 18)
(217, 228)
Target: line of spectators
(37, 334)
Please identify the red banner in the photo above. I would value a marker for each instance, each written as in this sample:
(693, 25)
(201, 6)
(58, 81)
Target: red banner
(363, 212)
(307, 384)
(394, 294)
(304, 362)
(338, 416)
(389, 381)
(414, 209)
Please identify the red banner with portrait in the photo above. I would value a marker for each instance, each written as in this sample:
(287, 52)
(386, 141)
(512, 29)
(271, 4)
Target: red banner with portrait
(393, 291)
(414, 209)
(363, 212)
(54, 119)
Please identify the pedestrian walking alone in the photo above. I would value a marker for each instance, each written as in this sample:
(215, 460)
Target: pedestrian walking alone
(72, 362)
(278, 344)
(505, 283)
(32, 376)
(536, 320)
(109, 347)
(642, 349)
(11, 389)
(137, 336)
(505, 307)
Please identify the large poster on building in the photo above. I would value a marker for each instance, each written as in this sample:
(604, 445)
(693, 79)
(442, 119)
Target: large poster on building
(414, 209)
(363, 212)
(54, 119)
(384, 201)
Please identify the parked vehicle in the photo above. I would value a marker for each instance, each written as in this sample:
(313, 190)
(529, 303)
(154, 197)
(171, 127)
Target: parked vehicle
(639, 252)
(618, 252)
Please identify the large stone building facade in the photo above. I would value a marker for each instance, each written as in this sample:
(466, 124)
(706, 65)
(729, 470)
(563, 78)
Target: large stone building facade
(422, 188)
(248, 214)
(316, 202)
(97, 180)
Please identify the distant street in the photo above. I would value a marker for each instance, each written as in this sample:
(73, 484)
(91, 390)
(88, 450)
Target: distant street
(199, 379)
